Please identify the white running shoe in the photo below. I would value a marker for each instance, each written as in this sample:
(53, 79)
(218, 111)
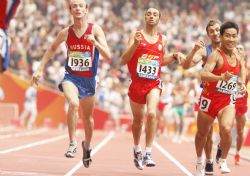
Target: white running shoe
(148, 160)
(71, 150)
(200, 171)
(223, 166)
(138, 160)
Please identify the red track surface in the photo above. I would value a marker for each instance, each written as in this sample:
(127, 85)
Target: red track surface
(44, 156)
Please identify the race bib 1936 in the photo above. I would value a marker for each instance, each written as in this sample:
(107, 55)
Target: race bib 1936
(80, 61)
(148, 66)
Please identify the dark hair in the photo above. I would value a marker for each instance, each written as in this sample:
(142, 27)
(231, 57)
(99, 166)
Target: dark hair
(211, 23)
(227, 25)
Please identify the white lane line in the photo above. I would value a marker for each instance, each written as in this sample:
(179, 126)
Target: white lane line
(94, 151)
(171, 158)
(26, 133)
(17, 173)
(7, 128)
(34, 144)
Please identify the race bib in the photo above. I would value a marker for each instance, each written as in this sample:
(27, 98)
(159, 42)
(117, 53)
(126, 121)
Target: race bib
(80, 61)
(228, 87)
(204, 104)
(1, 42)
(147, 67)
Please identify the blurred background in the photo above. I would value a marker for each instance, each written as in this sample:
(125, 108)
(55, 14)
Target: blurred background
(38, 22)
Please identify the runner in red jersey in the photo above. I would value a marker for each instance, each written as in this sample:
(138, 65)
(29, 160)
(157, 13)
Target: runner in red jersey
(145, 56)
(6, 14)
(84, 42)
(241, 110)
(201, 52)
(220, 76)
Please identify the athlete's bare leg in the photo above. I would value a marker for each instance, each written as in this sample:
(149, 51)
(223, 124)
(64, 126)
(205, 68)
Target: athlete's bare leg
(151, 125)
(71, 94)
(209, 144)
(240, 123)
(226, 119)
(87, 105)
(138, 115)
(204, 124)
(1, 64)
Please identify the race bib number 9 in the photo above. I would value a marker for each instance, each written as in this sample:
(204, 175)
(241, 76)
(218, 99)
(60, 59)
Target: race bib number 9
(147, 68)
(204, 104)
(80, 61)
(228, 87)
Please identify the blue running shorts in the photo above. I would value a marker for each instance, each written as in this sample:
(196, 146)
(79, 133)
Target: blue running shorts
(86, 86)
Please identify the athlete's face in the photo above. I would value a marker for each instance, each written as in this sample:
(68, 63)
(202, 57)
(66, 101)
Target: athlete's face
(229, 39)
(152, 16)
(78, 8)
(240, 49)
(213, 33)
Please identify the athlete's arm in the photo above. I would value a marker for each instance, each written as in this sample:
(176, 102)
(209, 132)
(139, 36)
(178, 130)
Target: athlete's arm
(134, 40)
(206, 72)
(194, 57)
(243, 71)
(170, 58)
(11, 12)
(100, 42)
(62, 36)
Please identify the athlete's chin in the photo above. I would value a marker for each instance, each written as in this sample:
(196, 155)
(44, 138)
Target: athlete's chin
(79, 16)
(230, 48)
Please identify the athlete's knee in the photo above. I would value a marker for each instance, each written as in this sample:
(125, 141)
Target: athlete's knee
(137, 122)
(73, 105)
(225, 130)
(151, 115)
(202, 133)
(240, 132)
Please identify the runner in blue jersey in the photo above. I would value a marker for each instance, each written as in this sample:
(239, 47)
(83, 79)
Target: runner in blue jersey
(84, 42)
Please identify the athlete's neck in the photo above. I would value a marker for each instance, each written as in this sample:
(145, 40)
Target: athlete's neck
(226, 51)
(151, 31)
(80, 23)
(215, 45)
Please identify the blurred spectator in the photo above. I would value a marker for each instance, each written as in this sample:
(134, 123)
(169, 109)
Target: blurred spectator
(29, 107)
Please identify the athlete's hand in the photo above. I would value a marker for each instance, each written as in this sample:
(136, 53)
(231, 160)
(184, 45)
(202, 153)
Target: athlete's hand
(242, 88)
(198, 45)
(137, 38)
(35, 77)
(226, 76)
(91, 39)
(181, 58)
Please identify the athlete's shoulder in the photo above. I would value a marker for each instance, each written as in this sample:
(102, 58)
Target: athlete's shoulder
(95, 27)
(164, 39)
(63, 34)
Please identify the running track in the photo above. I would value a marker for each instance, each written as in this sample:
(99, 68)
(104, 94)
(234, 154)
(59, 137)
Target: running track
(40, 152)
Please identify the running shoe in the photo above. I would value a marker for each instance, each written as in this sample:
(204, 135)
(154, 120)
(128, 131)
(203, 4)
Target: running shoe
(223, 166)
(218, 154)
(237, 159)
(147, 160)
(209, 168)
(200, 170)
(86, 159)
(138, 160)
(71, 150)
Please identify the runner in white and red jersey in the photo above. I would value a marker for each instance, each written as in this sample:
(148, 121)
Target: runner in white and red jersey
(144, 57)
(241, 110)
(220, 76)
(84, 41)
(8, 10)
